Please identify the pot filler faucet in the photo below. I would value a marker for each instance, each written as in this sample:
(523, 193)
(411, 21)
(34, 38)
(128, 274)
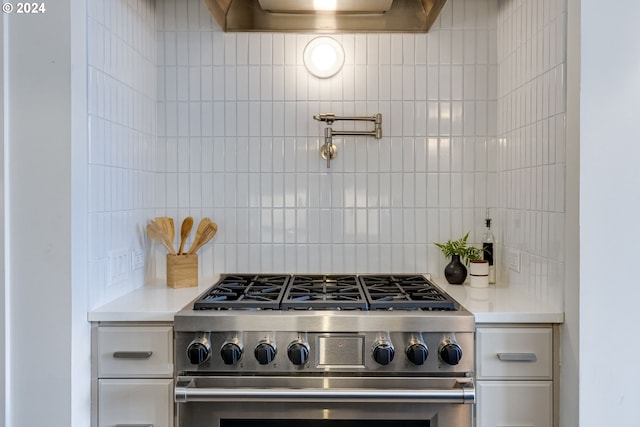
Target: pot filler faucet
(328, 150)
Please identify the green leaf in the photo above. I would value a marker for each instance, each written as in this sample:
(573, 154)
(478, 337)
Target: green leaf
(467, 253)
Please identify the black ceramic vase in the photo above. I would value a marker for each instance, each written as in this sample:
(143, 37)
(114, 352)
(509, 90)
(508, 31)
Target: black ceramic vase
(455, 272)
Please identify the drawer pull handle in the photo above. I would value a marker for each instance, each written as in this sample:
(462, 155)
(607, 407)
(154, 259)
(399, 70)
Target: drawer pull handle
(133, 355)
(517, 357)
(134, 425)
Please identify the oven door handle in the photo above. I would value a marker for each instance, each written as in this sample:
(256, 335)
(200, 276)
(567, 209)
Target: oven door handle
(463, 392)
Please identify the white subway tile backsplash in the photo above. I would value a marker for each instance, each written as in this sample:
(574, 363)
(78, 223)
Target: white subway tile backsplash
(122, 133)
(220, 125)
(530, 128)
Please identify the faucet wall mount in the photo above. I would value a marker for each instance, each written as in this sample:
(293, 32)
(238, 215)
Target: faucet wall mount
(328, 151)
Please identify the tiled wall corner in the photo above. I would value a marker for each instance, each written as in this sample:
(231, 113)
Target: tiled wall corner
(122, 144)
(531, 159)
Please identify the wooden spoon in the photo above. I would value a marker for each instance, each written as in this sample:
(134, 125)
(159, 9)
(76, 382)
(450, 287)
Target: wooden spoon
(155, 231)
(187, 224)
(172, 229)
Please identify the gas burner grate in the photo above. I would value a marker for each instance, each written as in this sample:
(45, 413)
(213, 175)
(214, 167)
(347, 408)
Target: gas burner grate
(326, 292)
(404, 292)
(245, 291)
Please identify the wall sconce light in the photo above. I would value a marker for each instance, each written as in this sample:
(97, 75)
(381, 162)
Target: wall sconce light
(325, 5)
(323, 57)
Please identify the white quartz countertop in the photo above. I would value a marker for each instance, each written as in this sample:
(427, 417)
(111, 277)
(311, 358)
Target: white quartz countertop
(495, 304)
(498, 304)
(151, 303)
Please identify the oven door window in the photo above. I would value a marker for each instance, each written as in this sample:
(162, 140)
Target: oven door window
(323, 423)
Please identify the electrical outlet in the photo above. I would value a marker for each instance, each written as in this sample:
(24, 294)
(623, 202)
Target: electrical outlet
(513, 260)
(119, 265)
(137, 260)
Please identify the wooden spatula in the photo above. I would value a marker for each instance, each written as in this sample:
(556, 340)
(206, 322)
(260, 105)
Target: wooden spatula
(155, 231)
(166, 225)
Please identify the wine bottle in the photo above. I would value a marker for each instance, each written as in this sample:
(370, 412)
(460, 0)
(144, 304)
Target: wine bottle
(488, 245)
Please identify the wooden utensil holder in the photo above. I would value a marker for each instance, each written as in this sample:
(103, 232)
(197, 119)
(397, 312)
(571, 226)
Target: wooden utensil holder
(182, 271)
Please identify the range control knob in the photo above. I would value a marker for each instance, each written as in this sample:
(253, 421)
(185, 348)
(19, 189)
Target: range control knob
(417, 353)
(265, 352)
(450, 352)
(199, 351)
(383, 352)
(298, 352)
(230, 353)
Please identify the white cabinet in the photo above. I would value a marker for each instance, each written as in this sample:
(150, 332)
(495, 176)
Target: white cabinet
(515, 368)
(135, 402)
(514, 403)
(135, 351)
(134, 375)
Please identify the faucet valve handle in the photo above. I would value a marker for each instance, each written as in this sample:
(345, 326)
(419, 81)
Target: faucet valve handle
(328, 150)
(325, 117)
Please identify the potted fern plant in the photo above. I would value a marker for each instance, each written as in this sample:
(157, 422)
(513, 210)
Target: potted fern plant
(460, 253)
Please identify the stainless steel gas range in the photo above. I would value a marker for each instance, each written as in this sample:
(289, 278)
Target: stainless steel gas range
(324, 350)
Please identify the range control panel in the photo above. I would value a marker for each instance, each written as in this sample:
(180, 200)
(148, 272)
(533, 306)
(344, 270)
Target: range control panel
(281, 352)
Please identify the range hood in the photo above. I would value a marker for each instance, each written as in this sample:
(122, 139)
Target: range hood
(325, 16)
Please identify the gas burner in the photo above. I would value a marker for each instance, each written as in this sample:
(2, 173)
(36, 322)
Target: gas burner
(244, 292)
(324, 292)
(404, 292)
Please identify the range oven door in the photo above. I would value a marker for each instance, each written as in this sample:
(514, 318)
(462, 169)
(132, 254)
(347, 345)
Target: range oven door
(324, 402)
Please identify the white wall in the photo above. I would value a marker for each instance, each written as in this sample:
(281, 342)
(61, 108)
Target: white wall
(4, 372)
(570, 330)
(609, 206)
(45, 139)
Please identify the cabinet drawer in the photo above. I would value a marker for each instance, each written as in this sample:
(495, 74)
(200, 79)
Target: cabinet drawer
(135, 351)
(514, 403)
(135, 402)
(514, 353)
